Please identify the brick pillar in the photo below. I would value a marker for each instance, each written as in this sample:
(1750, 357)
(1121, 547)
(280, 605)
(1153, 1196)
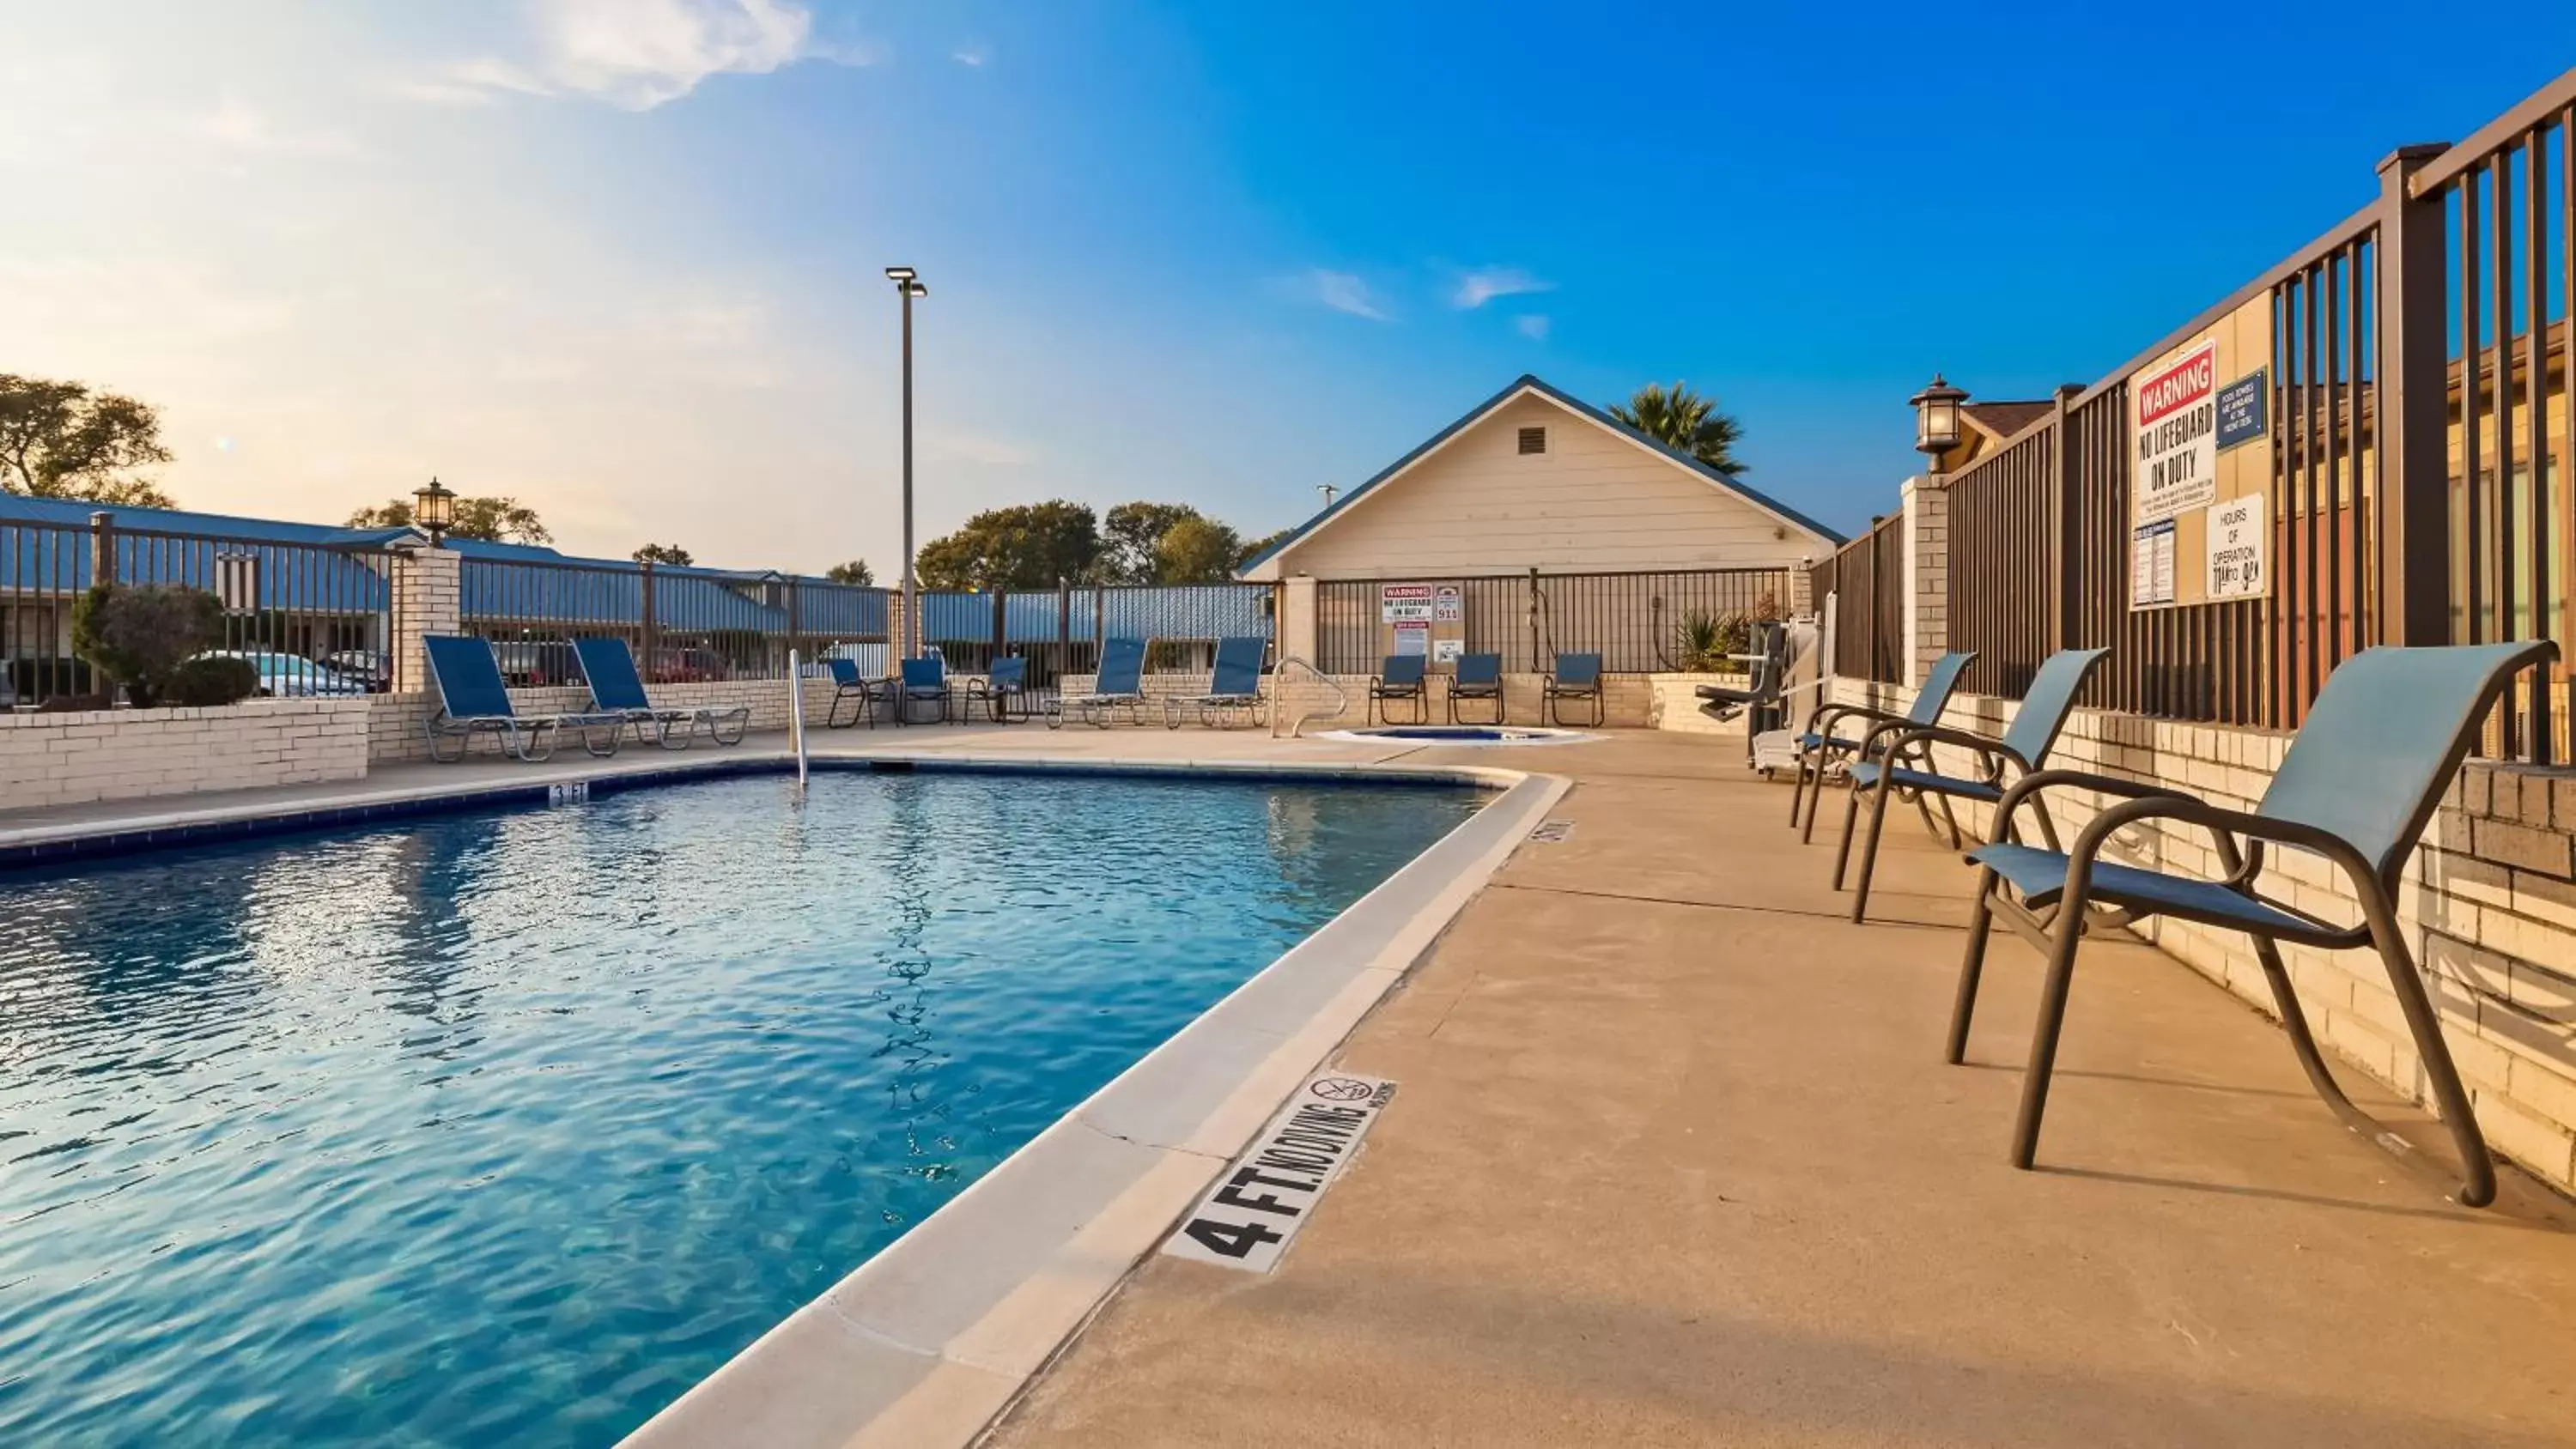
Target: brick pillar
(1927, 575)
(1297, 620)
(428, 599)
(898, 632)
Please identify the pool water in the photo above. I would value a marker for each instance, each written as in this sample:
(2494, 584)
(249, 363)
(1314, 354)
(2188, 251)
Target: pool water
(508, 1126)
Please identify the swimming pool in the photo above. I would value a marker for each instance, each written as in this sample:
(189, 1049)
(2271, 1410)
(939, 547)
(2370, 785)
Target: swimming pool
(508, 1125)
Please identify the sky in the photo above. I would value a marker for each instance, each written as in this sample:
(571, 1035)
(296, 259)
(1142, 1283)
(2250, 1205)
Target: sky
(622, 259)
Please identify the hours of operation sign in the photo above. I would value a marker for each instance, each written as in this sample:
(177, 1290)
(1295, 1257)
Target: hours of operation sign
(2175, 422)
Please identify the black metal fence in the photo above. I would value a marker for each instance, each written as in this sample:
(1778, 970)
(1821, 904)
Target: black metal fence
(685, 624)
(1635, 621)
(1866, 581)
(311, 619)
(1059, 630)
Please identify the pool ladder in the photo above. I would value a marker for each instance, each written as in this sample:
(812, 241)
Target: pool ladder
(1341, 697)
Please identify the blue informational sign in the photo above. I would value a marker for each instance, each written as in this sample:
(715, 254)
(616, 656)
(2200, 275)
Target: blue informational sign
(2241, 407)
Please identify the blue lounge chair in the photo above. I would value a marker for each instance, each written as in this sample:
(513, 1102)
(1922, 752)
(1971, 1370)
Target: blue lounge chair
(923, 680)
(1906, 764)
(1825, 743)
(608, 667)
(473, 699)
(1002, 685)
(1119, 684)
(1234, 685)
(1399, 676)
(1576, 676)
(2360, 782)
(1478, 676)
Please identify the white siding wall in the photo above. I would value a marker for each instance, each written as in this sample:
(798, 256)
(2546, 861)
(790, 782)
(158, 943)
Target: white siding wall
(1592, 502)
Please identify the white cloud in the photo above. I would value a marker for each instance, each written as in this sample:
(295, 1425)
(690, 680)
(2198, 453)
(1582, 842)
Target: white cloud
(974, 54)
(1483, 285)
(235, 125)
(1341, 291)
(1532, 326)
(970, 448)
(640, 53)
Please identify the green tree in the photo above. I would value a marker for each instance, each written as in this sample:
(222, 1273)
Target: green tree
(492, 520)
(1028, 546)
(1131, 539)
(1255, 548)
(1685, 422)
(1196, 550)
(664, 553)
(60, 440)
(856, 571)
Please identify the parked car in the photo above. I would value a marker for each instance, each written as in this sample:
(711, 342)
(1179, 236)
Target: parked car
(370, 667)
(688, 666)
(292, 676)
(537, 662)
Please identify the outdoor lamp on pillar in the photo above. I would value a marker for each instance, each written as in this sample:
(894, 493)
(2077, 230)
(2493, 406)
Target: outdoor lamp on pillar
(434, 509)
(1936, 419)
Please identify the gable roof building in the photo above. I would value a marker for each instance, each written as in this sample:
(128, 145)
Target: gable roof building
(1535, 478)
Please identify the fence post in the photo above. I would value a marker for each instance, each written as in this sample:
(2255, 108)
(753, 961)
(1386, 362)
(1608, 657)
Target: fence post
(1927, 575)
(1001, 622)
(428, 585)
(795, 615)
(652, 626)
(2065, 619)
(102, 547)
(2413, 512)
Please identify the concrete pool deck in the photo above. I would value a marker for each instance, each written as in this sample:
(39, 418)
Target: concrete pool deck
(1674, 1161)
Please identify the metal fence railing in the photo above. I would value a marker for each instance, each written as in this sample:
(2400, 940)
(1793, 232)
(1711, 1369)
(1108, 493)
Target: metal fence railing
(685, 625)
(2399, 394)
(311, 619)
(1866, 580)
(1059, 630)
(1633, 620)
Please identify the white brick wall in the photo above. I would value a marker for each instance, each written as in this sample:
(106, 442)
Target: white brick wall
(2489, 907)
(72, 759)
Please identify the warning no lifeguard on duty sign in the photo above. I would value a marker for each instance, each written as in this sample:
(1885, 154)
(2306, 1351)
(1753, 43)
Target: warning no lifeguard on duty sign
(1267, 1194)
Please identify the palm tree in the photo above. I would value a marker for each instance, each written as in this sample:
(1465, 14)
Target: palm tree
(1685, 422)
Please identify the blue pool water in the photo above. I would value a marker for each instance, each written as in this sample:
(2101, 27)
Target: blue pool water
(506, 1127)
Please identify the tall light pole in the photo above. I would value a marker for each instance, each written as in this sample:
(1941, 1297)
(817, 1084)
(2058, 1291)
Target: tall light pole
(907, 285)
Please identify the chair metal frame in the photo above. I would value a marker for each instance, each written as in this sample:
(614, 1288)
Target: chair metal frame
(1821, 752)
(1492, 690)
(1558, 689)
(1382, 689)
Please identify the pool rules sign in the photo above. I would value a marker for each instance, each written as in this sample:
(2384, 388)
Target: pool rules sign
(1263, 1197)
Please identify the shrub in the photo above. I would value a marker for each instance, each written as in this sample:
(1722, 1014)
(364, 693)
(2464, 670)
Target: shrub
(1706, 641)
(136, 636)
(207, 683)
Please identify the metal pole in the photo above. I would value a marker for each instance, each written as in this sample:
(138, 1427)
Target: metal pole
(911, 618)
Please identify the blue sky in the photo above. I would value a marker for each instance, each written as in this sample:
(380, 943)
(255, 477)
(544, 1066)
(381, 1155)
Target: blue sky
(621, 257)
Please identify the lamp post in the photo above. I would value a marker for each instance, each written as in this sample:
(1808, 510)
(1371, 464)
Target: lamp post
(434, 509)
(907, 285)
(1936, 420)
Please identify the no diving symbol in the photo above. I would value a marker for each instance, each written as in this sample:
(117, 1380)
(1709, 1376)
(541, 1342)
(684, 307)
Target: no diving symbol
(1342, 1089)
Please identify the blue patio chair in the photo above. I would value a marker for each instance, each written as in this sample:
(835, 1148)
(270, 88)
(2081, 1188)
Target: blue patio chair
(1006, 682)
(1234, 685)
(1119, 684)
(1823, 745)
(473, 699)
(923, 680)
(1477, 676)
(1905, 765)
(848, 685)
(2360, 782)
(608, 667)
(1576, 676)
(1399, 676)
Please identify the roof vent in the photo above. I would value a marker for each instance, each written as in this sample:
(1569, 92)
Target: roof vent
(1533, 440)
